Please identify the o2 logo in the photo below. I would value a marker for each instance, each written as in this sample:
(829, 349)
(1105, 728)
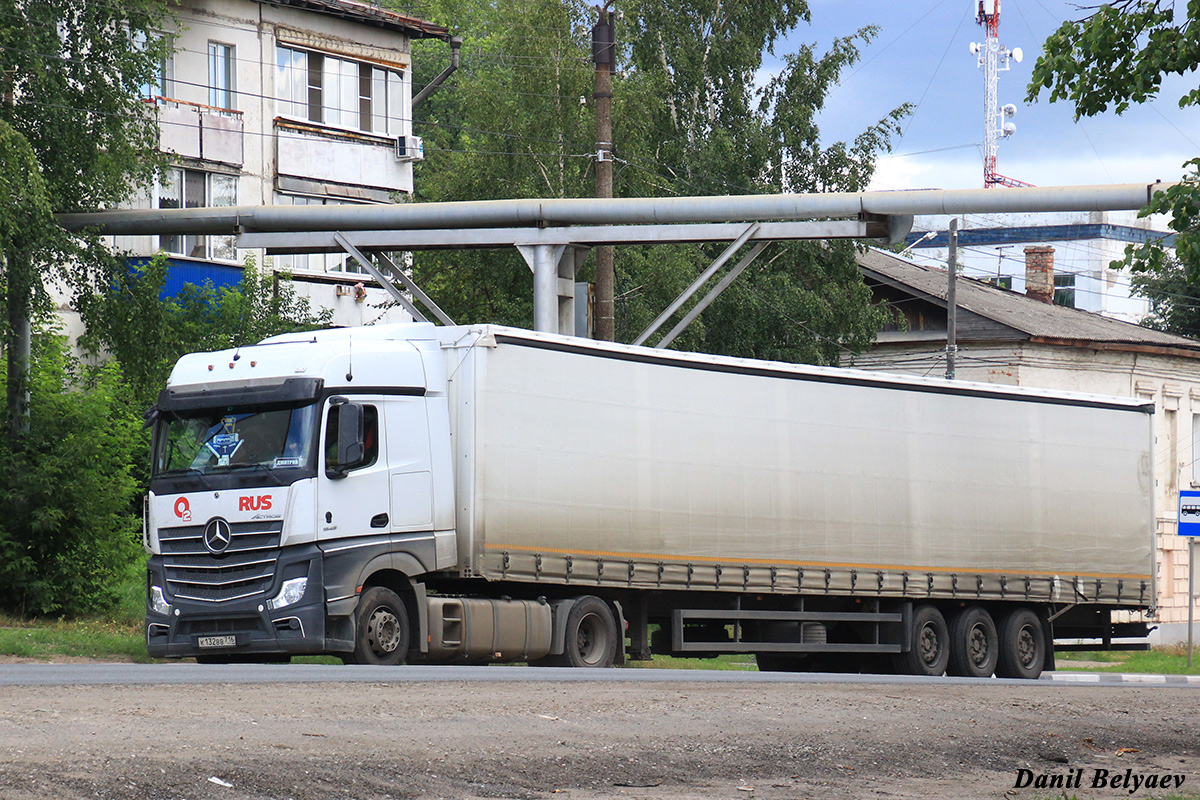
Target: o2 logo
(183, 510)
(260, 503)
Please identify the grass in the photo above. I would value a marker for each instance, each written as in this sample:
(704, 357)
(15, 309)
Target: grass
(85, 638)
(734, 662)
(1164, 660)
(118, 636)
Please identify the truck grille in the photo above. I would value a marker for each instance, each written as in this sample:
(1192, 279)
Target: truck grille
(245, 569)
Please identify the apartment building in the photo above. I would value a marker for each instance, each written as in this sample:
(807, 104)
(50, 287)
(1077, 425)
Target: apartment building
(284, 102)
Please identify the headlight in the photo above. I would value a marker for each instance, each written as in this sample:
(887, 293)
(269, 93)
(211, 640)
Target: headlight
(291, 592)
(158, 601)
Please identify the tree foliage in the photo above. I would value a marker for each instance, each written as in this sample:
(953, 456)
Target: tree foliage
(518, 120)
(1174, 299)
(74, 71)
(71, 74)
(147, 333)
(1115, 57)
(1119, 55)
(68, 527)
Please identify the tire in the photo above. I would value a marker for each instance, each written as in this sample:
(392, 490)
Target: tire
(1022, 645)
(974, 644)
(381, 629)
(590, 639)
(930, 651)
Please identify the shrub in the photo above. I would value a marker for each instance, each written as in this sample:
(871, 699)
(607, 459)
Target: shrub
(68, 526)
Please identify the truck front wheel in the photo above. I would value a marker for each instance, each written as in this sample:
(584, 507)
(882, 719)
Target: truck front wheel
(1022, 645)
(381, 629)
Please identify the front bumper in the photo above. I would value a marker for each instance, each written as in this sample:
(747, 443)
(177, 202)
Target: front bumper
(243, 627)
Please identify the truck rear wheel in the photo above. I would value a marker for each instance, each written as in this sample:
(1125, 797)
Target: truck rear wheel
(974, 644)
(590, 638)
(381, 629)
(1022, 645)
(930, 644)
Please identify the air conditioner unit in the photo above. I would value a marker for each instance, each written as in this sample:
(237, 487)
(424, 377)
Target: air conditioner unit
(410, 148)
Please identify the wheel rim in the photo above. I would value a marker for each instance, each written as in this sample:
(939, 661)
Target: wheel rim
(383, 631)
(978, 649)
(591, 639)
(930, 647)
(1026, 647)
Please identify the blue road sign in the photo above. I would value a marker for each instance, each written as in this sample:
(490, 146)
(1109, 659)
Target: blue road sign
(1189, 513)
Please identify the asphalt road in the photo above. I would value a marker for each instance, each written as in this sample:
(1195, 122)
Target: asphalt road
(99, 674)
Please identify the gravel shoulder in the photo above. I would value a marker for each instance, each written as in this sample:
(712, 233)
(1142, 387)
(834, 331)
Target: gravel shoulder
(586, 741)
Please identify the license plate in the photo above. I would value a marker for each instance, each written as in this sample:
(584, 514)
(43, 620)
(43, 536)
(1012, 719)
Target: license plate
(217, 641)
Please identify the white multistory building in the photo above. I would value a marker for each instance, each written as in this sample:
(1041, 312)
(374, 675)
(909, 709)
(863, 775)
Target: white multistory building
(284, 102)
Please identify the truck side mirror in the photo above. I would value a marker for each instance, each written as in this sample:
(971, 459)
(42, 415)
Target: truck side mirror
(349, 445)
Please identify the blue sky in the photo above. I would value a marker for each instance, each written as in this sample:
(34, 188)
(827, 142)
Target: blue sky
(922, 56)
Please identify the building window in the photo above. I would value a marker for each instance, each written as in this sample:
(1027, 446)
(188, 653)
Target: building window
(1195, 449)
(1064, 290)
(190, 188)
(1000, 281)
(220, 75)
(335, 91)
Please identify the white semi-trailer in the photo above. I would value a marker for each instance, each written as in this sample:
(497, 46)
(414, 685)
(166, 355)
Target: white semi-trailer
(472, 494)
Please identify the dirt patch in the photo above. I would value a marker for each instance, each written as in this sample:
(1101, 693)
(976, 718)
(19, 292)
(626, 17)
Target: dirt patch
(586, 741)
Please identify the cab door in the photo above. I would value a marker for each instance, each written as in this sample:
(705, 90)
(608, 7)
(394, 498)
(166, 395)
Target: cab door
(355, 500)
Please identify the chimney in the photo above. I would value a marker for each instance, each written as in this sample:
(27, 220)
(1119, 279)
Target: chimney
(1039, 273)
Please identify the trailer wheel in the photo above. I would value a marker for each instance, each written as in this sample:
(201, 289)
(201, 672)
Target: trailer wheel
(591, 635)
(381, 629)
(1022, 645)
(974, 644)
(930, 644)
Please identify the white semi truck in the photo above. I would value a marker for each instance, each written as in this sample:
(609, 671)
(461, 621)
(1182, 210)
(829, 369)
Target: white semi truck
(422, 494)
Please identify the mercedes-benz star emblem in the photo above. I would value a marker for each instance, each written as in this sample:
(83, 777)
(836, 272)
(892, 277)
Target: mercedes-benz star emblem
(217, 536)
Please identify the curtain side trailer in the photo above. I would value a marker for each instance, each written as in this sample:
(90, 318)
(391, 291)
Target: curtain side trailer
(473, 494)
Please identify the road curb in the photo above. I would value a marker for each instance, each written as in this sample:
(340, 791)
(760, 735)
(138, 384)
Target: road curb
(1121, 677)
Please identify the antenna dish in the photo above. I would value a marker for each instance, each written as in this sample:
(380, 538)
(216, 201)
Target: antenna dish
(1018, 54)
(1010, 128)
(974, 48)
(1009, 110)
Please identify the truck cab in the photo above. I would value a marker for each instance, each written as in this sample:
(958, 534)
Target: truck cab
(283, 476)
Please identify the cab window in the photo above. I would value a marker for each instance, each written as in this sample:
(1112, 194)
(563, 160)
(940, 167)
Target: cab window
(370, 438)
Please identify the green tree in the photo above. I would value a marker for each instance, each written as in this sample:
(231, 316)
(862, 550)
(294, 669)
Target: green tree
(1174, 299)
(68, 526)
(688, 119)
(146, 333)
(73, 72)
(26, 231)
(1113, 58)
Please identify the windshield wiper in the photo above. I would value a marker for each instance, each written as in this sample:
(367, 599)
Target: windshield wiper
(174, 473)
(269, 470)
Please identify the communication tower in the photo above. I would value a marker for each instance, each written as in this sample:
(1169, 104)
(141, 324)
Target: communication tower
(994, 58)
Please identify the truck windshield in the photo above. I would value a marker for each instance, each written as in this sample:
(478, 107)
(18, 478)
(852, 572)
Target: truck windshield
(220, 440)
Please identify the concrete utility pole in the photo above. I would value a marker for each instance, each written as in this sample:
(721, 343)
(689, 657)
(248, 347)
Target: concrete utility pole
(952, 299)
(604, 55)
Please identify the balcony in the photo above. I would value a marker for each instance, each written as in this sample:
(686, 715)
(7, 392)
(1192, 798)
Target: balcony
(192, 130)
(344, 163)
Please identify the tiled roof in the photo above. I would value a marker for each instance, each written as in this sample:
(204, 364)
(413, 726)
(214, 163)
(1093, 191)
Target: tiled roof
(371, 14)
(1014, 310)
